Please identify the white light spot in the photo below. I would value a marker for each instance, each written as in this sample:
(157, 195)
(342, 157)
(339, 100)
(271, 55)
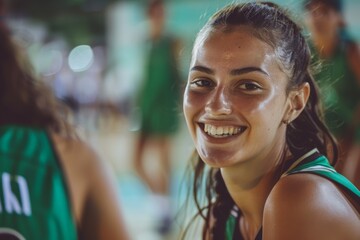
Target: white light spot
(81, 58)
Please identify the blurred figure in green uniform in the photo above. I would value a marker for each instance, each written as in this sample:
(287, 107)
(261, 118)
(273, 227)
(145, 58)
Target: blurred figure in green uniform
(159, 109)
(338, 78)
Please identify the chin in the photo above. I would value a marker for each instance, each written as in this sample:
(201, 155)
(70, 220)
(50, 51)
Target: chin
(217, 160)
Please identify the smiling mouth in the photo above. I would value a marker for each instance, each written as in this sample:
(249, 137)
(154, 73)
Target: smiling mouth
(222, 131)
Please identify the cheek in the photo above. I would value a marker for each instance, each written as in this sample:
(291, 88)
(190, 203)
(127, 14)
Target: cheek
(262, 112)
(192, 104)
(252, 105)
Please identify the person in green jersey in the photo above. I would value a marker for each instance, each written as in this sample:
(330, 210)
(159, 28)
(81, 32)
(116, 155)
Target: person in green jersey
(159, 105)
(338, 78)
(52, 185)
(253, 111)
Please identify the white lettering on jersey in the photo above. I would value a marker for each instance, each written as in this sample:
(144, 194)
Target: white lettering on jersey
(24, 194)
(11, 202)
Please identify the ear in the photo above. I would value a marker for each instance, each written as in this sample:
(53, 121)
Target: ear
(297, 102)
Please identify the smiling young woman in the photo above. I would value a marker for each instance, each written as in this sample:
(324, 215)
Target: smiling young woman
(253, 112)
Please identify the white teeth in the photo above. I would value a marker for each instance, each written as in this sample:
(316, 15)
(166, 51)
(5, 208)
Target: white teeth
(213, 130)
(206, 127)
(221, 131)
(231, 130)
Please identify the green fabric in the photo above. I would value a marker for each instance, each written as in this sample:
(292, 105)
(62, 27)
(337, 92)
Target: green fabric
(160, 94)
(340, 91)
(230, 227)
(38, 200)
(327, 171)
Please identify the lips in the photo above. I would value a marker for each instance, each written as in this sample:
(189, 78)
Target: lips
(222, 131)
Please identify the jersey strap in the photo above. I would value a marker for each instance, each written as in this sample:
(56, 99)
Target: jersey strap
(321, 166)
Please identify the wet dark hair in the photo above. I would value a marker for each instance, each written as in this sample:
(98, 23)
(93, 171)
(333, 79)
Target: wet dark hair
(271, 24)
(24, 99)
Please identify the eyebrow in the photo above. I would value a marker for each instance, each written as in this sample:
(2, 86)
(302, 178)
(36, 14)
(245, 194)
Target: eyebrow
(234, 72)
(202, 69)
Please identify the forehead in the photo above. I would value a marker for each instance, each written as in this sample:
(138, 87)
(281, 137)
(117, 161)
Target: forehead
(238, 45)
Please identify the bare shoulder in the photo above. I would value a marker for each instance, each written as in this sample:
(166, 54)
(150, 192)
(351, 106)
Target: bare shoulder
(72, 148)
(307, 206)
(93, 191)
(78, 160)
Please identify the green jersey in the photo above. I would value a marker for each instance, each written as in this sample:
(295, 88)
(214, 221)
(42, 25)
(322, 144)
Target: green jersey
(34, 199)
(160, 94)
(312, 162)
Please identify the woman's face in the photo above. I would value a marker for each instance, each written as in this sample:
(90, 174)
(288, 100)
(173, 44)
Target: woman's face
(235, 99)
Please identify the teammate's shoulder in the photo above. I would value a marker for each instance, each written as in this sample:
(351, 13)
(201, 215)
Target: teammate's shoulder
(74, 149)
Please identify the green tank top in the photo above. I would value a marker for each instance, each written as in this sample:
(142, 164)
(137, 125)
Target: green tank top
(312, 162)
(160, 94)
(34, 199)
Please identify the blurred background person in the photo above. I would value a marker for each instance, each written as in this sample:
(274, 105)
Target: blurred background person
(158, 101)
(53, 184)
(338, 75)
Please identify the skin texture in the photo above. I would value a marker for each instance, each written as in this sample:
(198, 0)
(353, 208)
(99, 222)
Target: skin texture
(235, 80)
(91, 186)
(319, 217)
(223, 97)
(233, 85)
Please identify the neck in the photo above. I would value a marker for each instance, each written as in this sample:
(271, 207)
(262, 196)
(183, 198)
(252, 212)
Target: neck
(156, 30)
(249, 186)
(250, 199)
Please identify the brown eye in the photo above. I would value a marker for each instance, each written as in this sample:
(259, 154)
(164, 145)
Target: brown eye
(203, 83)
(249, 86)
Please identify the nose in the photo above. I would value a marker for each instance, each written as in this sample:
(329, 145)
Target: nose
(219, 103)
